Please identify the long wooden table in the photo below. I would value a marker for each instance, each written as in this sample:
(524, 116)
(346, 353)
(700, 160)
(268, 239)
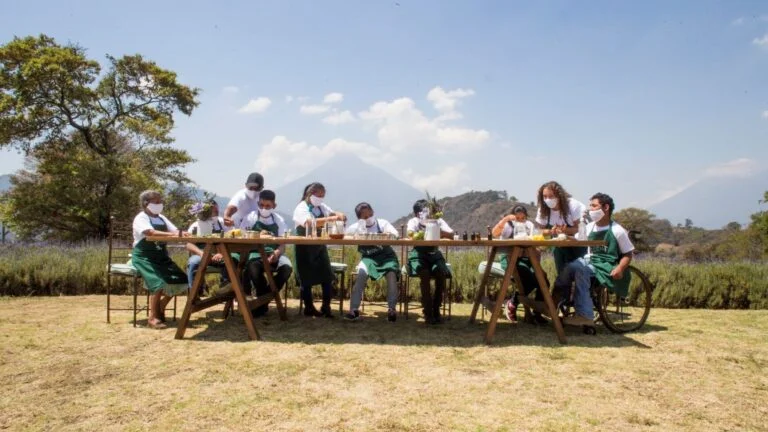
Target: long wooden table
(226, 246)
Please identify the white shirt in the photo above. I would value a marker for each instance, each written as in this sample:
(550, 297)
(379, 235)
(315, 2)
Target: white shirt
(208, 226)
(575, 210)
(384, 225)
(414, 225)
(143, 222)
(301, 214)
(251, 218)
(621, 234)
(507, 232)
(244, 205)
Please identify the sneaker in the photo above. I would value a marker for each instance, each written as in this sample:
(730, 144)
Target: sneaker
(578, 320)
(391, 316)
(510, 310)
(352, 316)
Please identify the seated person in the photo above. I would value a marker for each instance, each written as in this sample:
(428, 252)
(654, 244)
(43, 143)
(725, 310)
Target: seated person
(376, 262)
(162, 277)
(427, 262)
(208, 222)
(267, 221)
(313, 264)
(505, 229)
(607, 263)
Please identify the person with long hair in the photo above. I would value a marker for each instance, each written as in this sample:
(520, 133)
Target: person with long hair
(559, 213)
(313, 264)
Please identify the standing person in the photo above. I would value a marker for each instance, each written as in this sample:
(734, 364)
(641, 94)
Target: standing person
(266, 220)
(559, 213)
(505, 229)
(312, 261)
(606, 263)
(208, 222)
(427, 262)
(244, 201)
(161, 276)
(376, 262)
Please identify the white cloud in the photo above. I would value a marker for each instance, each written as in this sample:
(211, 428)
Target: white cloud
(742, 167)
(765, 114)
(338, 118)
(255, 106)
(446, 181)
(284, 160)
(332, 98)
(314, 109)
(447, 101)
(231, 89)
(288, 99)
(401, 126)
(738, 21)
(761, 42)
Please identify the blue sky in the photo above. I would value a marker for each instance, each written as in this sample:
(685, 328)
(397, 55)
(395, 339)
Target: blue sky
(637, 99)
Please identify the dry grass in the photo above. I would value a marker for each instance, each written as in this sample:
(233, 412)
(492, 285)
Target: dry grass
(63, 368)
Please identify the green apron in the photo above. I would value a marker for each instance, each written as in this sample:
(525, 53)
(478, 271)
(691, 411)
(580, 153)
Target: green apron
(313, 265)
(563, 256)
(379, 260)
(269, 248)
(156, 267)
(605, 258)
(427, 257)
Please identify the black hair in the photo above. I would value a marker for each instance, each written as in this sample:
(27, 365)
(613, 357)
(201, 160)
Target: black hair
(267, 195)
(255, 179)
(311, 188)
(518, 209)
(360, 207)
(418, 206)
(604, 199)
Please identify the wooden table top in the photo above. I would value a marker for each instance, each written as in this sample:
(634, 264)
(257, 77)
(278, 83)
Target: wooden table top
(377, 242)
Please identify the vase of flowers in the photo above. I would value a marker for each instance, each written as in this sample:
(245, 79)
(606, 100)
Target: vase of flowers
(434, 212)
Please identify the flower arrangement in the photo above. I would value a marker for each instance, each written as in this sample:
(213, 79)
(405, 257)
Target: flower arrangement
(203, 210)
(434, 209)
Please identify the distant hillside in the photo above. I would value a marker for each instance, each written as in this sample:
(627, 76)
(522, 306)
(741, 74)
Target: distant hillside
(474, 211)
(348, 180)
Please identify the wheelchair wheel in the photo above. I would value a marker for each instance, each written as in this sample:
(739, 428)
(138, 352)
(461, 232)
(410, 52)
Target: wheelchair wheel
(626, 314)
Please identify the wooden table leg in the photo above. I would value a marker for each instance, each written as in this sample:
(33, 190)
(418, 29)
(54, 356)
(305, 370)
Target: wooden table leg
(238, 289)
(196, 287)
(512, 257)
(272, 285)
(483, 284)
(547, 297)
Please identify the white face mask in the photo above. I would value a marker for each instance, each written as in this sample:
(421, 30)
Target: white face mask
(550, 202)
(155, 208)
(252, 194)
(596, 215)
(265, 213)
(315, 200)
(423, 215)
(370, 221)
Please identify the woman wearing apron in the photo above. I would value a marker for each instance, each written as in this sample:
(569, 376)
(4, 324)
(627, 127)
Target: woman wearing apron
(313, 264)
(264, 219)
(376, 262)
(208, 222)
(161, 276)
(558, 213)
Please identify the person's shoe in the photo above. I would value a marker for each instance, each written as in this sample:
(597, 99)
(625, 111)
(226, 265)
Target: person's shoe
(311, 311)
(325, 311)
(578, 320)
(510, 310)
(352, 316)
(391, 315)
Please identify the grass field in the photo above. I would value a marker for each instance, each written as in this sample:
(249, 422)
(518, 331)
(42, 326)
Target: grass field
(63, 368)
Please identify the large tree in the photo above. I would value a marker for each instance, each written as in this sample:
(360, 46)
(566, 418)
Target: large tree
(112, 124)
(640, 221)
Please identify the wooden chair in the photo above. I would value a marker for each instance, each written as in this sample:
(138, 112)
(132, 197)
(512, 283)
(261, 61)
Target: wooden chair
(406, 284)
(120, 246)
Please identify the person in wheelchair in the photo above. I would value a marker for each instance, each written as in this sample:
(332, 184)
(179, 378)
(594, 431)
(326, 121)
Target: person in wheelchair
(607, 264)
(506, 229)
